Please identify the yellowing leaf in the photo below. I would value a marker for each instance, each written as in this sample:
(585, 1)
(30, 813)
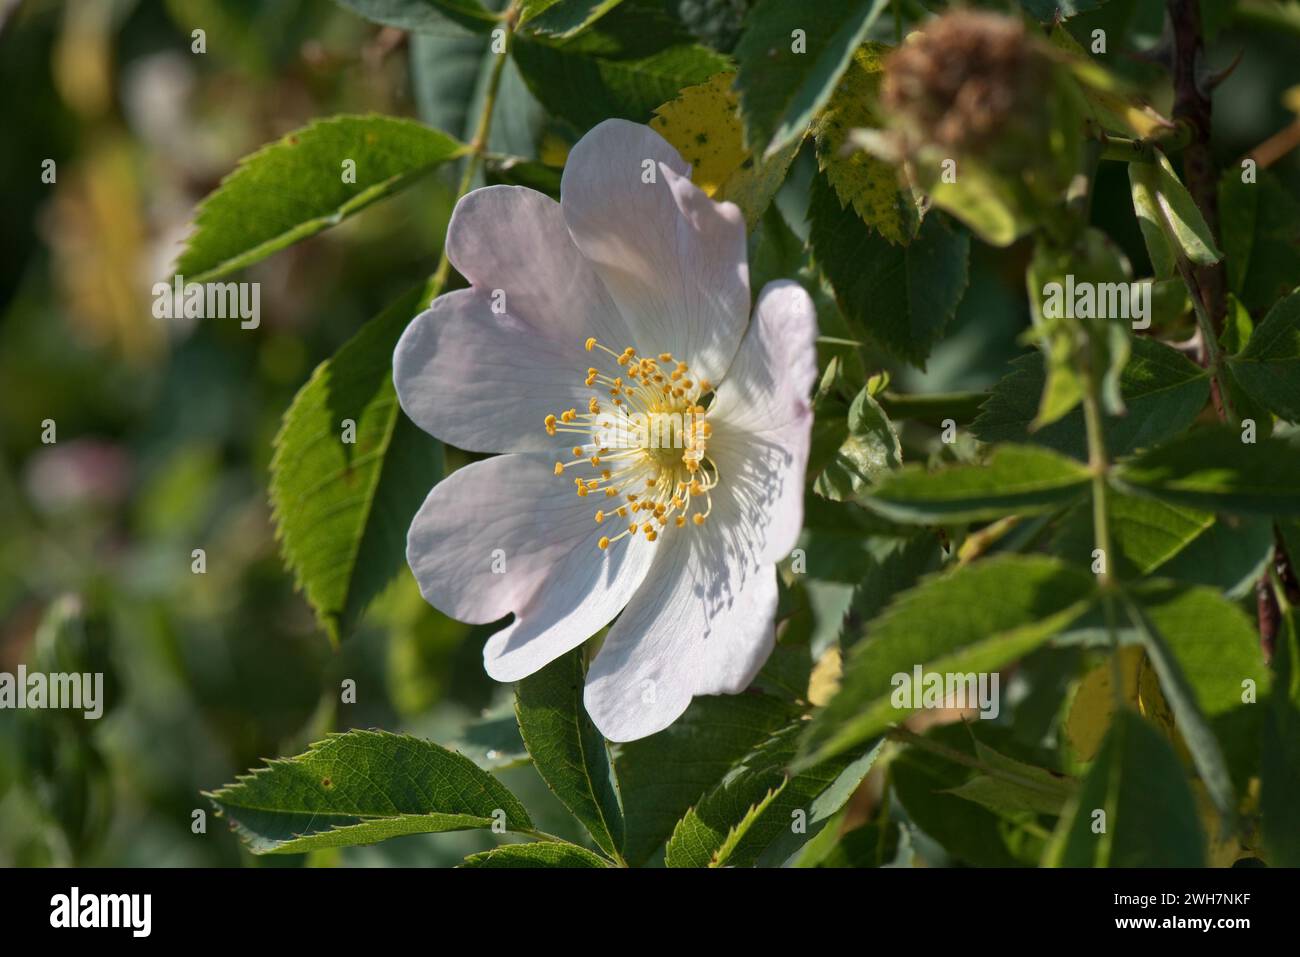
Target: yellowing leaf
(825, 678)
(703, 123)
(868, 182)
(1094, 702)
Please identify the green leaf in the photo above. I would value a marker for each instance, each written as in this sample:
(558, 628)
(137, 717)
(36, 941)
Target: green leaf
(789, 60)
(1110, 103)
(1269, 368)
(892, 568)
(1170, 220)
(419, 15)
(902, 297)
(294, 188)
(1260, 225)
(871, 845)
(1212, 469)
(632, 60)
(450, 76)
(1150, 813)
(869, 449)
(1163, 391)
(568, 752)
(1206, 653)
(1145, 533)
(976, 618)
(1010, 786)
(758, 801)
(342, 509)
(1074, 332)
(1016, 480)
(699, 747)
(562, 18)
(924, 781)
(867, 183)
(362, 787)
(1280, 750)
(1230, 555)
(539, 854)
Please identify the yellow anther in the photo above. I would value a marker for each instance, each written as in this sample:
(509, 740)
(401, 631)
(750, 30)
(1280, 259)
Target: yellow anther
(600, 516)
(603, 543)
(650, 535)
(591, 343)
(593, 406)
(605, 475)
(593, 484)
(550, 425)
(610, 492)
(633, 527)
(577, 450)
(622, 511)
(681, 520)
(582, 491)
(698, 518)
(665, 357)
(594, 460)
(623, 359)
(559, 468)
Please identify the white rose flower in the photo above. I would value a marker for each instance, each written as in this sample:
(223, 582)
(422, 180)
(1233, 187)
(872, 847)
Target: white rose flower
(625, 303)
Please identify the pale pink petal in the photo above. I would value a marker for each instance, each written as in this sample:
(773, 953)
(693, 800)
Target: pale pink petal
(701, 623)
(508, 535)
(673, 260)
(516, 239)
(762, 422)
(484, 382)
(482, 367)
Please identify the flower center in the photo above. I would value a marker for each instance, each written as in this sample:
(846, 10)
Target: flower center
(642, 442)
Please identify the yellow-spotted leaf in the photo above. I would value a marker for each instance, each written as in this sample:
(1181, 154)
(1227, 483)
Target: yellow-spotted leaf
(868, 183)
(703, 123)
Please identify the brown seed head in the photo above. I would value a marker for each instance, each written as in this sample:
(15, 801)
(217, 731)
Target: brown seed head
(961, 82)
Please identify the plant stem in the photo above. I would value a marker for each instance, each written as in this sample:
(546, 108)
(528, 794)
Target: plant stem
(1100, 467)
(1209, 341)
(477, 147)
(1099, 464)
(1192, 107)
